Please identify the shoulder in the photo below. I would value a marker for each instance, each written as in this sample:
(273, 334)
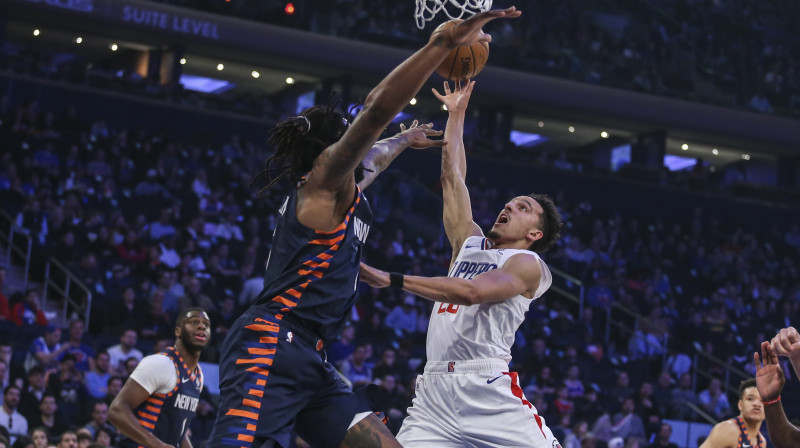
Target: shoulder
(157, 361)
(726, 429)
(474, 242)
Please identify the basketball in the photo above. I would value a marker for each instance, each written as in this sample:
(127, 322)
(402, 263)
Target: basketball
(462, 62)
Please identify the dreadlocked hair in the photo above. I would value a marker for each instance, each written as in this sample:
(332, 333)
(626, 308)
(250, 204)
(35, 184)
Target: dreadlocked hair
(298, 142)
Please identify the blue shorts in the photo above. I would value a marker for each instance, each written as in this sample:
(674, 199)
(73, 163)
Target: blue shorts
(274, 380)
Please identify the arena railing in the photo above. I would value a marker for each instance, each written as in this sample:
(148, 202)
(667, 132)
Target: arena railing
(706, 373)
(11, 236)
(60, 279)
(703, 414)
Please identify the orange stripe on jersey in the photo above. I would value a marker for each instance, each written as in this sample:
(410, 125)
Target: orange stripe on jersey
(294, 293)
(307, 272)
(256, 392)
(245, 414)
(252, 403)
(268, 340)
(261, 351)
(155, 401)
(250, 427)
(147, 424)
(329, 242)
(245, 438)
(257, 327)
(261, 382)
(279, 316)
(285, 301)
(147, 416)
(259, 371)
(153, 409)
(266, 361)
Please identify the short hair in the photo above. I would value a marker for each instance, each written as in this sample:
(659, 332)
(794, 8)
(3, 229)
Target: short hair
(61, 439)
(9, 387)
(549, 223)
(41, 429)
(185, 314)
(744, 385)
(35, 370)
(114, 378)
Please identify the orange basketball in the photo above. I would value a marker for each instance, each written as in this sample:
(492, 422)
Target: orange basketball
(463, 62)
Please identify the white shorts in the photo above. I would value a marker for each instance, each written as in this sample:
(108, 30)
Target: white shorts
(472, 404)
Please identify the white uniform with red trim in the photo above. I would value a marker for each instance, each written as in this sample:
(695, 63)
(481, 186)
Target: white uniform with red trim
(467, 397)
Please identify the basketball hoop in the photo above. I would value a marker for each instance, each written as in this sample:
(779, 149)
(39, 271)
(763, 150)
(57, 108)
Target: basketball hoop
(427, 9)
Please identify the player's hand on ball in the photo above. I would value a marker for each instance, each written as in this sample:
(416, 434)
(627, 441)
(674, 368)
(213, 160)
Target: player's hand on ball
(374, 277)
(417, 136)
(786, 343)
(769, 376)
(468, 32)
(457, 100)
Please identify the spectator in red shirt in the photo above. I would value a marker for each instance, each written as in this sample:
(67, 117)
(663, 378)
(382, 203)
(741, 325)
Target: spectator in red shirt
(28, 312)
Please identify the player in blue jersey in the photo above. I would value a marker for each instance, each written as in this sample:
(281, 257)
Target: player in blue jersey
(156, 404)
(274, 378)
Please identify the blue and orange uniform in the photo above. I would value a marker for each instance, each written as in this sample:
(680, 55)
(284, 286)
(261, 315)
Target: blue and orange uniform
(167, 415)
(274, 378)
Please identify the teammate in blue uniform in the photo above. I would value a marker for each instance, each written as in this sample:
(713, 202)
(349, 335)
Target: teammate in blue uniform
(156, 404)
(274, 378)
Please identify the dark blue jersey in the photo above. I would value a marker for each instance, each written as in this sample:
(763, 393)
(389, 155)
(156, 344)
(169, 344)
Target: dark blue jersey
(312, 276)
(168, 416)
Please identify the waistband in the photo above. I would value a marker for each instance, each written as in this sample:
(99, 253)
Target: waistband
(469, 366)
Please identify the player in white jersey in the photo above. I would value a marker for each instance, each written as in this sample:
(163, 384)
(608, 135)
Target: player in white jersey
(467, 397)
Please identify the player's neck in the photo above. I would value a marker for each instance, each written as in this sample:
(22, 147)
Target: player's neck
(753, 429)
(190, 357)
(499, 244)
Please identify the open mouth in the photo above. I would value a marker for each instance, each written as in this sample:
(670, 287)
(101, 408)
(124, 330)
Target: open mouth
(502, 219)
(201, 337)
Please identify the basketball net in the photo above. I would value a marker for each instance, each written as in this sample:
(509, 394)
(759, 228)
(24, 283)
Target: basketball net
(427, 9)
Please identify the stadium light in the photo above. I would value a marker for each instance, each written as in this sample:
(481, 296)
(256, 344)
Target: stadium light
(746, 156)
(290, 80)
(604, 134)
(444, 107)
(571, 129)
(36, 32)
(413, 102)
(113, 47)
(78, 39)
(255, 74)
(183, 61)
(220, 67)
(540, 124)
(289, 9)
(685, 147)
(715, 151)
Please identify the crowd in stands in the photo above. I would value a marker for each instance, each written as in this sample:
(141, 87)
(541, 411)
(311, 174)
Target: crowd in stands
(153, 225)
(734, 53)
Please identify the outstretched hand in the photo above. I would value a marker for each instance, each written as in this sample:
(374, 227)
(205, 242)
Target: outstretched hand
(374, 277)
(468, 32)
(417, 135)
(786, 343)
(457, 100)
(769, 375)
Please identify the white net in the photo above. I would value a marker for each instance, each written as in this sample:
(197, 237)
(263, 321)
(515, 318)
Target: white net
(454, 9)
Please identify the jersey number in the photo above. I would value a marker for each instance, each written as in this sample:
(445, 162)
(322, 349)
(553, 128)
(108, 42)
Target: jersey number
(451, 308)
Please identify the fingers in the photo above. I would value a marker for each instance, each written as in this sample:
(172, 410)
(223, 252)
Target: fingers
(446, 88)
(485, 38)
(402, 127)
(765, 352)
(757, 361)
(437, 143)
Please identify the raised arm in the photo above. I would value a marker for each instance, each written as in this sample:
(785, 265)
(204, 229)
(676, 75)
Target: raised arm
(770, 381)
(457, 215)
(787, 343)
(383, 152)
(521, 274)
(330, 188)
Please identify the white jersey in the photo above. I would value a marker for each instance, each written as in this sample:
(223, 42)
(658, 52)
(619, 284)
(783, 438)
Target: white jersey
(484, 331)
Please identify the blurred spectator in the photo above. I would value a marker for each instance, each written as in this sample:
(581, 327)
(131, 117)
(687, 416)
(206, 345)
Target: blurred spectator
(662, 439)
(680, 396)
(626, 423)
(97, 379)
(99, 420)
(31, 395)
(27, 312)
(47, 416)
(714, 401)
(403, 318)
(68, 439)
(121, 352)
(10, 419)
(71, 396)
(357, 369)
(84, 355)
(46, 350)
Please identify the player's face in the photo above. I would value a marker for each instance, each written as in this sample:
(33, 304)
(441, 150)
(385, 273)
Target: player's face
(195, 330)
(750, 405)
(519, 220)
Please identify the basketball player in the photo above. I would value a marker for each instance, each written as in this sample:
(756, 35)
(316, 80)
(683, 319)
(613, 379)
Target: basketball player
(770, 381)
(744, 431)
(467, 396)
(157, 403)
(274, 378)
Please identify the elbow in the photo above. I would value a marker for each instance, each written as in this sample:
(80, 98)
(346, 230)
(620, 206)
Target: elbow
(468, 295)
